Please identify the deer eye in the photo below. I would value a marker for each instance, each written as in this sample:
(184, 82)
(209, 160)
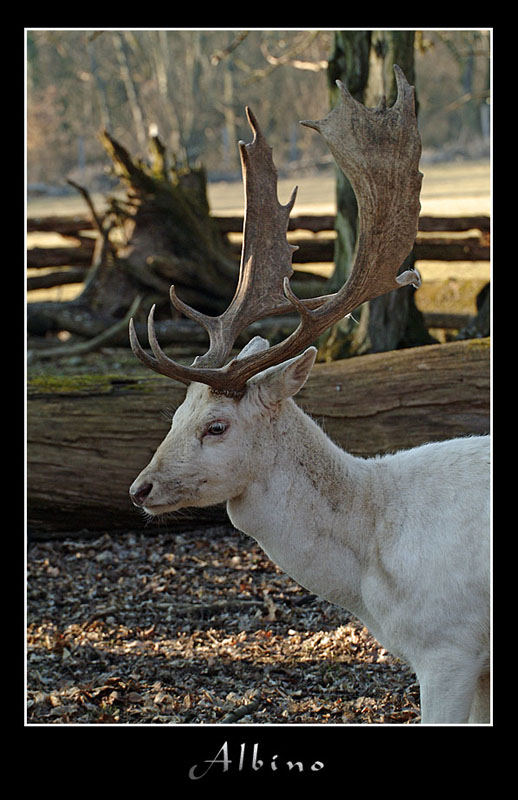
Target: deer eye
(216, 428)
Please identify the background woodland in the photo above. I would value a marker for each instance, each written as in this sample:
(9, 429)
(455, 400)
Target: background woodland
(191, 86)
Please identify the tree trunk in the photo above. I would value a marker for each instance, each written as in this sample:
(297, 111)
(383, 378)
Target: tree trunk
(88, 437)
(364, 61)
(129, 85)
(480, 326)
(348, 62)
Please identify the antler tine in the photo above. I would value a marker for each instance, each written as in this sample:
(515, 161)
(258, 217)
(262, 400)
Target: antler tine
(160, 363)
(217, 378)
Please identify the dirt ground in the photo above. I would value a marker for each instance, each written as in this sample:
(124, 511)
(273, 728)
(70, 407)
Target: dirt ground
(195, 628)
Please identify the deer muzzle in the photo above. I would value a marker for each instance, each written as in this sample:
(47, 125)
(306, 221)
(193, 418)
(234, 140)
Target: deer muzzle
(139, 492)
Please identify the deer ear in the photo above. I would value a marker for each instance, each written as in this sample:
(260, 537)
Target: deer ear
(284, 380)
(255, 345)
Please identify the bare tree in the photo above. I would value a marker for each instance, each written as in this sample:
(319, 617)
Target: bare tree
(120, 41)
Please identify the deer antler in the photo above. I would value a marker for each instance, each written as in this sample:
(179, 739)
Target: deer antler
(265, 262)
(378, 150)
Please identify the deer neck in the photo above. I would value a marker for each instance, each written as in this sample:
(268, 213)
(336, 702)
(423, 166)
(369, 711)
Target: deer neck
(307, 505)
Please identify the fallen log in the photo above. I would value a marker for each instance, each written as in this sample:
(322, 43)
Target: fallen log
(73, 225)
(326, 222)
(65, 225)
(308, 222)
(469, 248)
(446, 320)
(60, 277)
(429, 223)
(309, 251)
(43, 257)
(89, 436)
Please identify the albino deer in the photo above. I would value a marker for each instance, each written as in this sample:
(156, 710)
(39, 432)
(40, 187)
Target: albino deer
(401, 541)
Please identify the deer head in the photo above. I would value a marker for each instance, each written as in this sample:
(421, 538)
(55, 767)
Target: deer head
(217, 443)
(204, 457)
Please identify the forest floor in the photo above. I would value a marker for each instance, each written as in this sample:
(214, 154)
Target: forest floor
(195, 628)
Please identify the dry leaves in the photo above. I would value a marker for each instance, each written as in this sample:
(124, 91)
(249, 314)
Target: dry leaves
(198, 627)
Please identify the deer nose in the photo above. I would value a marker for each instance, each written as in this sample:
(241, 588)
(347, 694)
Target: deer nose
(140, 493)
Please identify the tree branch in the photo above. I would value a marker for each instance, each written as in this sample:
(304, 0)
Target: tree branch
(219, 55)
(240, 711)
(95, 217)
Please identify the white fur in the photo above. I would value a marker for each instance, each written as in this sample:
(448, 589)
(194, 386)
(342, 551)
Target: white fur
(401, 541)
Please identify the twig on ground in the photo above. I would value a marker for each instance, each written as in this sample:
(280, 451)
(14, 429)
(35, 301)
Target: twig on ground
(207, 608)
(240, 711)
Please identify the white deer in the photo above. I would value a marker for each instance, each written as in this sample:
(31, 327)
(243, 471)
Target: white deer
(401, 541)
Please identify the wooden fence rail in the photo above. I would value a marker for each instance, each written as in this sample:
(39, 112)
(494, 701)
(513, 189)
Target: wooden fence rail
(439, 239)
(474, 247)
(72, 225)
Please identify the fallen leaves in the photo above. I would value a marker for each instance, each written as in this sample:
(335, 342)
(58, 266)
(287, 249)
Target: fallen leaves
(197, 627)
